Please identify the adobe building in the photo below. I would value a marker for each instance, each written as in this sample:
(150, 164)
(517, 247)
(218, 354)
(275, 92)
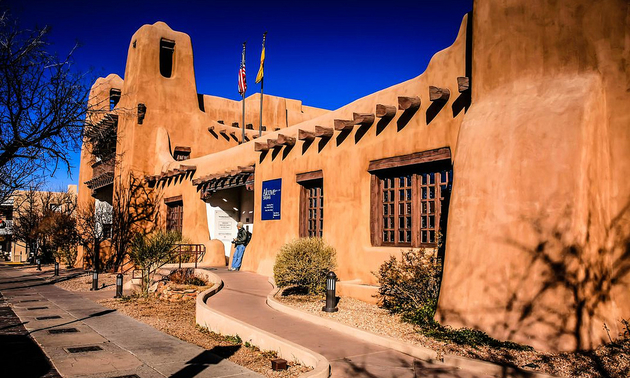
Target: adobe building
(512, 149)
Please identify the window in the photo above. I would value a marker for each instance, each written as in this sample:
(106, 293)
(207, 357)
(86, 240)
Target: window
(181, 153)
(311, 204)
(174, 213)
(167, 50)
(114, 97)
(410, 198)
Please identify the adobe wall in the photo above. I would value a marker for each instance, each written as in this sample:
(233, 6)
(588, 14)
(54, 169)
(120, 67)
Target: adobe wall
(537, 246)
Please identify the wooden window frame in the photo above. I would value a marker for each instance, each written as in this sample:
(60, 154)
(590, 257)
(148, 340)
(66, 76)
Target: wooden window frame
(173, 203)
(416, 165)
(308, 181)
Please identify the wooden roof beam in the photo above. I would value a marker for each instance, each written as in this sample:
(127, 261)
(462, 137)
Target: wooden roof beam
(247, 169)
(439, 94)
(363, 118)
(273, 143)
(261, 146)
(286, 140)
(408, 103)
(306, 135)
(385, 111)
(323, 132)
(463, 84)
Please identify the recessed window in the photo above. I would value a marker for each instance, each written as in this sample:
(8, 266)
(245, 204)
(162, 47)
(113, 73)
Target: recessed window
(181, 153)
(167, 51)
(410, 199)
(114, 97)
(174, 213)
(311, 204)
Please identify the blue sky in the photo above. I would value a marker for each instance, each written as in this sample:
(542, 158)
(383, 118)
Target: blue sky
(324, 53)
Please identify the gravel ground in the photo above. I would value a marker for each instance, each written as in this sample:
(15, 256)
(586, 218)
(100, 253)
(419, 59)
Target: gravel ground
(84, 282)
(178, 319)
(611, 360)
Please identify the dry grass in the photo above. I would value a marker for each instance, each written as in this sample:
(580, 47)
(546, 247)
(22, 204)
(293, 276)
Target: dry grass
(608, 361)
(178, 319)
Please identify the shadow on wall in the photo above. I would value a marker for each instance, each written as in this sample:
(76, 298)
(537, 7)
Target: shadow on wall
(564, 289)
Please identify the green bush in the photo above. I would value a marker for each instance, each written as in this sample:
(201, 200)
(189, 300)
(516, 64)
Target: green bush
(410, 287)
(304, 263)
(150, 252)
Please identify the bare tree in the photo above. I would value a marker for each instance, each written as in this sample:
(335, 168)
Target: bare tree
(91, 220)
(43, 101)
(134, 211)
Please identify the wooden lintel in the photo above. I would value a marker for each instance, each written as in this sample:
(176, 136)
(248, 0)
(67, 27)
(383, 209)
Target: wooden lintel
(439, 94)
(183, 149)
(463, 84)
(408, 103)
(309, 176)
(363, 118)
(305, 135)
(173, 199)
(323, 132)
(248, 169)
(261, 146)
(286, 140)
(443, 153)
(344, 125)
(385, 111)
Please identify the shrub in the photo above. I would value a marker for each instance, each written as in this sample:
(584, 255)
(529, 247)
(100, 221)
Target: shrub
(410, 287)
(186, 277)
(150, 252)
(304, 263)
(69, 255)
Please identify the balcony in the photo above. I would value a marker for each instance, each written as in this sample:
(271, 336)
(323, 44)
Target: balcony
(7, 229)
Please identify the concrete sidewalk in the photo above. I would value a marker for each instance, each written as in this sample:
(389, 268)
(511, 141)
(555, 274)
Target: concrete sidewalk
(243, 297)
(110, 344)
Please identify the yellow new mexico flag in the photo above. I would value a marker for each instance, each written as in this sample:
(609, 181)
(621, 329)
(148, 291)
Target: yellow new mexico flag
(260, 75)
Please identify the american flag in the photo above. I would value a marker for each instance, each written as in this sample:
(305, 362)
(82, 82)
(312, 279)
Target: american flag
(242, 83)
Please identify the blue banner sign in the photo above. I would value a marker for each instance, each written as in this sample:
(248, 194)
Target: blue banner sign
(271, 195)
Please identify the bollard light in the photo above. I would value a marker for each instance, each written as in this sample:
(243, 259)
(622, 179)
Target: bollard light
(94, 280)
(331, 298)
(39, 264)
(56, 269)
(119, 285)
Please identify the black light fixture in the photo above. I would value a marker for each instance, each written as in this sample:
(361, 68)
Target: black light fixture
(94, 280)
(39, 264)
(56, 269)
(119, 285)
(331, 298)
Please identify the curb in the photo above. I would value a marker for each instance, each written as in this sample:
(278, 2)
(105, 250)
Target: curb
(422, 353)
(227, 325)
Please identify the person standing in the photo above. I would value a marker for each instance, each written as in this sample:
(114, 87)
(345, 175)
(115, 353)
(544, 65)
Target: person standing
(240, 242)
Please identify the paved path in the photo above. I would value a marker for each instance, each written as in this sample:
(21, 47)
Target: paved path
(124, 345)
(243, 297)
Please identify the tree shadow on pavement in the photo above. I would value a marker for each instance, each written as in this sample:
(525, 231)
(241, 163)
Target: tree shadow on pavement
(204, 359)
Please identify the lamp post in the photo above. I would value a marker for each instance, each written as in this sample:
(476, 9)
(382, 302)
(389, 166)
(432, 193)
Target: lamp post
(39, 264)
(56, 274)
(119, 285)
(94, 280)
(331, 298)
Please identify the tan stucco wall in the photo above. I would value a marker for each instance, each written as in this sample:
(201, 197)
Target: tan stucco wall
(535, 251)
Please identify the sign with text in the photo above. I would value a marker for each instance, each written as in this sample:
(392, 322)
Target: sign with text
(271, 195)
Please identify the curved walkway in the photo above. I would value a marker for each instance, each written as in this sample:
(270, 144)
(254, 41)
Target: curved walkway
(244, 297)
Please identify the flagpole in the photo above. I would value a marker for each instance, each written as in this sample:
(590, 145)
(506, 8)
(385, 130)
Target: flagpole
(243, 137)
(262, 81)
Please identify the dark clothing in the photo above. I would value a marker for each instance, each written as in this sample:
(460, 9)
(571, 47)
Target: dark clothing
(241, 237)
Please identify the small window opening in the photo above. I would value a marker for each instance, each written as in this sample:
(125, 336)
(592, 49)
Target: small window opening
(167, 49)
(202, 106)
(181, 153)
(142, 111)
(114, 97)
